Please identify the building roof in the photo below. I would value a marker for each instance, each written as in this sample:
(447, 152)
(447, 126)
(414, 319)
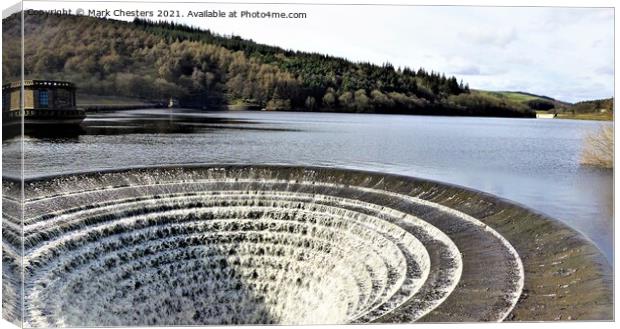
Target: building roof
(39, 83)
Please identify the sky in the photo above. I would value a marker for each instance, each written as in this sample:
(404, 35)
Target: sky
(564, 53)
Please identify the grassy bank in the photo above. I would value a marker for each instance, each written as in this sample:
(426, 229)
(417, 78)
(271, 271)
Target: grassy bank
(587, 116)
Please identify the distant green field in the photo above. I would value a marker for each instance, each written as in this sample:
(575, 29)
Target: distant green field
(515, 96)
(608, 116)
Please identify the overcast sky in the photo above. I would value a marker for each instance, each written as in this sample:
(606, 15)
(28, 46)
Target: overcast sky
(565, 53)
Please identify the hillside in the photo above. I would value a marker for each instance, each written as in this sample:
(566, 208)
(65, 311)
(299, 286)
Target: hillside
(532, 100)
(156, 61)
(598, 105)
(600, 109)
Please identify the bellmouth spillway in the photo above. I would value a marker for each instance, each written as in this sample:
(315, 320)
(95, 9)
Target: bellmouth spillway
(191, 245)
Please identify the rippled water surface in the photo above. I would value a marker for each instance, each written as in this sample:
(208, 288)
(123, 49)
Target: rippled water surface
(532, 162)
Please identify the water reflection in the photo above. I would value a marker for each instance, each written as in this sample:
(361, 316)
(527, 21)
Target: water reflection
(134, 122)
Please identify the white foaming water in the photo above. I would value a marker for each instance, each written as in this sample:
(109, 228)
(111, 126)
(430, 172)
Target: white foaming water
(173, 249)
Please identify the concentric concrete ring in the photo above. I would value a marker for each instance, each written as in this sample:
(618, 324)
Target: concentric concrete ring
(267, 244)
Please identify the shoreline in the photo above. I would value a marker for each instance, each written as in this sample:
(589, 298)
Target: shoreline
(92, 108)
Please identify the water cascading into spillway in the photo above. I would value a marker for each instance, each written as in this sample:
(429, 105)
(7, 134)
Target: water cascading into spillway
(261, 245)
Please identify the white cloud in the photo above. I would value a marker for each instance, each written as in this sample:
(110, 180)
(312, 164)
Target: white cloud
(487, 37)
(468, 70)
(605, 69)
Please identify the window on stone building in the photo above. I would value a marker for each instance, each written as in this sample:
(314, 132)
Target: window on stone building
(43, 98)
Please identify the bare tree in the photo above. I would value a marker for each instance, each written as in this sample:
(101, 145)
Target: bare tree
(599, 148)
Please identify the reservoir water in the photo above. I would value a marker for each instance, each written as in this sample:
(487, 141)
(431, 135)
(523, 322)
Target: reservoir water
(531, 162)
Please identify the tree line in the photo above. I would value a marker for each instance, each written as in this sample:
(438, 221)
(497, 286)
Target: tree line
(159, 60)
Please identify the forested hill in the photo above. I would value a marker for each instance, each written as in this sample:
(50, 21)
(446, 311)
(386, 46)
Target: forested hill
(155, 61)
